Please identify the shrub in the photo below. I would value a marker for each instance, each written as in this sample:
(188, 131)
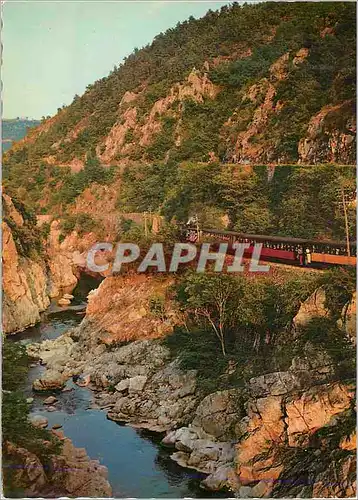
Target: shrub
(157, 306)
(16, 427)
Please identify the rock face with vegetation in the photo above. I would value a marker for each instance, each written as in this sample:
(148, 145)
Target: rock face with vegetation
(70, 473)
(24, 273)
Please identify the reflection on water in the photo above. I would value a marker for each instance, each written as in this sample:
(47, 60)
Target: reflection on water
(138, 466)
(51, 327)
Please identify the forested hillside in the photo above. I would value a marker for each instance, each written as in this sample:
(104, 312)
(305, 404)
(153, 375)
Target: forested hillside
(262, 84)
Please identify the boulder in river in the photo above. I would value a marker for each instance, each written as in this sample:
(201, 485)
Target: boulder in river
(64, 302)
(50, 381)
(67, 389)
(39, 421)
(50, 400)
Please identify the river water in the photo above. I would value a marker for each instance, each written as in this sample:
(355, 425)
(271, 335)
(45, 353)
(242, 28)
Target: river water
(138, 465)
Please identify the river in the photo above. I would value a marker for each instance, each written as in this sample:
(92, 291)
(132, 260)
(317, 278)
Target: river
(138, 465)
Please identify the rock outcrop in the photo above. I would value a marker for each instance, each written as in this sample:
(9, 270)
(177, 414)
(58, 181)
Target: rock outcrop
(121, 308)
(331, 136)
(286, 421)
(71, 473)
(36, 269)
(24, 277)
(197, 87)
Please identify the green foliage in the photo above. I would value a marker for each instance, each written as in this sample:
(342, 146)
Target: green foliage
(191, 187)
(27, 237)
(214, 301)
(339, 285)
(311, 205)
(256, 318)
(13, 355)
(199, 350)
(125, 225)
(16, 427)
(242, 71)
(254, 310)
(157, 306)
(163, 140)
(201, 126)
(143, 188)
(324, 333)
(34, 181)
(299, 201)
(45, 229)
(74, 184)
(254, 219)
(83, 223)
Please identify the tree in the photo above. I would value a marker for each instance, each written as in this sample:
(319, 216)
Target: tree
(254, 219)
(270, 307)
(214, 299)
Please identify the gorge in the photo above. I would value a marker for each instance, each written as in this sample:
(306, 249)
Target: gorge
(186, 384)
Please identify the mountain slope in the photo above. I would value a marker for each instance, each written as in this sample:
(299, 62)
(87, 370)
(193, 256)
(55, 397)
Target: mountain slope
(183, 125)
(259, 83)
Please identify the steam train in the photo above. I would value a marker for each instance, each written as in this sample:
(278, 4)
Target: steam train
(283, 249)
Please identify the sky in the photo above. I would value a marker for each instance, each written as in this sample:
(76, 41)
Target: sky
(53, 50)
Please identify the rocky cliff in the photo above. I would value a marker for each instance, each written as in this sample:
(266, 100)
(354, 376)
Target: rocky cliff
(131, 307)
(36, 266)
(25, 293)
